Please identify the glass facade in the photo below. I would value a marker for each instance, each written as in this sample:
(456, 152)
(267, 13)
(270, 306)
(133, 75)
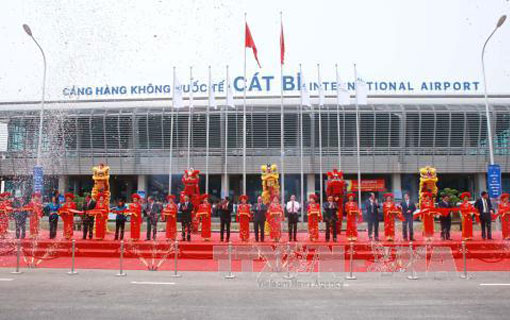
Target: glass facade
(387, 129)
(135, 140)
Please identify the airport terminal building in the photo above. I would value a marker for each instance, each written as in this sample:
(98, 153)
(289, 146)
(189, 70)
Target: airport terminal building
(398, 135)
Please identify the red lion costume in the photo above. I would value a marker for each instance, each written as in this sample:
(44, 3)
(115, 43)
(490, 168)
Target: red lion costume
(190, 179)
(336, 188)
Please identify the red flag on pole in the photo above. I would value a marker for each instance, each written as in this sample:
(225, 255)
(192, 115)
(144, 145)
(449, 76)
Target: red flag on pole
(282, 46)
(249, 43)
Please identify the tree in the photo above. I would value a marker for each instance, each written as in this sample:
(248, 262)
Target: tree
(453, 195)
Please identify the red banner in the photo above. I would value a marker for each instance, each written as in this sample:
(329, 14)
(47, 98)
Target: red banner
(367, 185)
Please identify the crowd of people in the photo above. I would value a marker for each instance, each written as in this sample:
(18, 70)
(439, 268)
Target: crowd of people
(267, 219)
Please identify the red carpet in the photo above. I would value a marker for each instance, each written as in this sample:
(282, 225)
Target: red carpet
(197, 255)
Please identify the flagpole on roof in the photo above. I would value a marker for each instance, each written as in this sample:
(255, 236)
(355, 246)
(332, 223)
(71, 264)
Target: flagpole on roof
(248, 43)
(244, 110)
(190, 107)
(339, 143)
(321, 103)
(170, 155)
(357, 136)
(282, 115)
(225, 162)
(301, 147)
(209, 105)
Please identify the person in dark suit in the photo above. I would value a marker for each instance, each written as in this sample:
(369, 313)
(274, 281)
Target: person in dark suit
(259, 218)
(484, 207)
(226, 208)
(20, 218)
(88, 219)
(408, 207)
(152, 212)
(330, 216)
(372, 216)
(445, 220)
(186, 209)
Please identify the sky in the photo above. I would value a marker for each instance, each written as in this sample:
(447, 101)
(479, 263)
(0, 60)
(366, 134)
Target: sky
(124, 43)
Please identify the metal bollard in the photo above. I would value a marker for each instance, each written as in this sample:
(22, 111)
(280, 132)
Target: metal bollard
(464, 253)
(277, 258)
(73, 248)
(351, 276)
(413, 275)
(18, 256)
(121, 260)
(288, 276)
(230, 275)
(176, 251)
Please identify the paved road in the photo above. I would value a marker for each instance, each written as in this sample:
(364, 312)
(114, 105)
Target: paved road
(98, 294)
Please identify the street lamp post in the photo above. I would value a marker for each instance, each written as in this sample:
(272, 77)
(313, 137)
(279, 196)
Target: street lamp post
(38, 173)
(487, 112)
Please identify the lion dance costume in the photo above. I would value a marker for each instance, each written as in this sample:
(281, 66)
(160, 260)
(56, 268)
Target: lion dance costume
(190, 179)
(270, 186)
(101, 177)
(336, 189)
(428, 182)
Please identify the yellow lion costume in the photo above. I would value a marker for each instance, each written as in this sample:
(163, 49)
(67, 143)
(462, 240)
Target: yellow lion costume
(270, 186)
(101, 177)
(270, 183)
(428, 181)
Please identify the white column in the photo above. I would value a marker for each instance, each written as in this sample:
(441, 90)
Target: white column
(480, 184)
(62, 184)
(396, 184)
(310, 185)
(225, 188)
(142, 183)
(75, 186)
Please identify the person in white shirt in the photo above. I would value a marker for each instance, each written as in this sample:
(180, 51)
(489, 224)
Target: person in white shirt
(293, 208)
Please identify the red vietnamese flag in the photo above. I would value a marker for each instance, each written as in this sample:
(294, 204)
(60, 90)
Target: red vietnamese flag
(282, 46)
(249, 43)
